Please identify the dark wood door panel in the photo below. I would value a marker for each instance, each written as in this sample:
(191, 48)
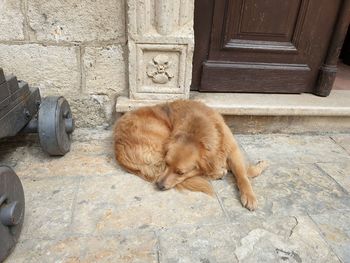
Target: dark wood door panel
(254, 77)
(262, 45)
(313, 28)
(270, 24)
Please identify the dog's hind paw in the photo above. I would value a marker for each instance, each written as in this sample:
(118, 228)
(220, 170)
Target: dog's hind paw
(262, 165)
(249, 201)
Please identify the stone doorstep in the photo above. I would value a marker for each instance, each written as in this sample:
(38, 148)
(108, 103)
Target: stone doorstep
(336, 104)
(271, 113)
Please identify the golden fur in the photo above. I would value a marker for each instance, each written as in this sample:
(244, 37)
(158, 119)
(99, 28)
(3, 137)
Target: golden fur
(182, 144)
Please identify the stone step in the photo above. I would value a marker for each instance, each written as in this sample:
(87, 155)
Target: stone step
(272, 113)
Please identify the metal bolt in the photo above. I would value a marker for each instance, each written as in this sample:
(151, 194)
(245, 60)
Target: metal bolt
(2, 199)
(69, 124)
(27, 114)
(11, 214)
(66, 114)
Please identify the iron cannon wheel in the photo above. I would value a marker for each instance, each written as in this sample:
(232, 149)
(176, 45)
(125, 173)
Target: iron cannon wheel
(55, 125)
(12, 205)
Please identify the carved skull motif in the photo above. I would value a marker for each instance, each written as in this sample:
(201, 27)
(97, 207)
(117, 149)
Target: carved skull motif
(160, 69)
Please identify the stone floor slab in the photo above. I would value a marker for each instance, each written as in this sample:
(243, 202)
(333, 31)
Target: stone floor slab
(110, 203)
(210, 243)
(84, 159)
(343, 140)
(335, 227)
(277, 148)
(83, 208)
(49, 204)
(130, 247)
(285, 190)
(340, 172)
(285, 239)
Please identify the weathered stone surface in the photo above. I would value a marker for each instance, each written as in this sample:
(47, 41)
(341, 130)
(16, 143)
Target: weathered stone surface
(110, 203)
(277, 148)
(11, 20)
(77, 20)
(285, 190)
(87, 135)
(282, 239)
(125, 247)
(72, 165)
(209, 243)
(104, 69)
(340, 172)
(83, 160)
(242, 124)
(343, 141)
(89, 111)
(53, 69)
(285, 239)
(83, 208)
(49, 206)
(335, 227)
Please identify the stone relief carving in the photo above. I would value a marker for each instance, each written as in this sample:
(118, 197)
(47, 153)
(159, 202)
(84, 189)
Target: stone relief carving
(160, 69)
(160, 46)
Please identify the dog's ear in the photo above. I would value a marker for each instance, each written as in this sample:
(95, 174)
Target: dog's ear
(206, 144)
(163, 112)
(197, 184)
(166, 108)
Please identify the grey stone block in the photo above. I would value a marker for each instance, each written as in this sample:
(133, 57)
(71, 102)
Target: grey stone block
(77, 20)
(11, 21)
(104, 69)
(53, 69)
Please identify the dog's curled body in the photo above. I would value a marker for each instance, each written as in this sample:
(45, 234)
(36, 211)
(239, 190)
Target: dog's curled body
(182, 144)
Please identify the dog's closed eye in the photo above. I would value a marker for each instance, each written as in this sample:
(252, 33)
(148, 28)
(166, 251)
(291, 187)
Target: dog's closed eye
(179, 172)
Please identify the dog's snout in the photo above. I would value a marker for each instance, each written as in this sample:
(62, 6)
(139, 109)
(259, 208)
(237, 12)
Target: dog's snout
(160, 186)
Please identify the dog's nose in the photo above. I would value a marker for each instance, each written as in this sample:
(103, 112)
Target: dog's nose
(160, 186)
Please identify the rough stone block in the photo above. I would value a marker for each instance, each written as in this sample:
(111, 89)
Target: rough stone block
(11, 20)
(91, 111)
(53, 69)
(77, 20)
(104, 69)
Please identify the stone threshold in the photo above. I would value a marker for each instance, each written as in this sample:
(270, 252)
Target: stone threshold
(337, 104)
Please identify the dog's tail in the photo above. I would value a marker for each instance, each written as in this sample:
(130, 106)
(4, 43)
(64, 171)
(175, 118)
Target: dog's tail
(197, 184)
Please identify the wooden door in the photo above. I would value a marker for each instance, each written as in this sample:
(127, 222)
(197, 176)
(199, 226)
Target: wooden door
(274, 46)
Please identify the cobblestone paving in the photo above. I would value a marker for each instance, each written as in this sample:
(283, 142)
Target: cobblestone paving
(83, 208)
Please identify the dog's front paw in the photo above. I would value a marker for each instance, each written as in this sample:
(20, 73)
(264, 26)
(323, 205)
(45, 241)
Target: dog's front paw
(249, 201)
(221, 175)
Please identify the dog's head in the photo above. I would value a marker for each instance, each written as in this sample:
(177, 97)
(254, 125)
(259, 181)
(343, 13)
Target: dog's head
(182, 159)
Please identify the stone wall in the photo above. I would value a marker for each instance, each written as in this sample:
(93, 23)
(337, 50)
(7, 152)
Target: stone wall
(75, 48)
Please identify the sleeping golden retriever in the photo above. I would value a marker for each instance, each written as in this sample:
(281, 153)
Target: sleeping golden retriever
(182, 144)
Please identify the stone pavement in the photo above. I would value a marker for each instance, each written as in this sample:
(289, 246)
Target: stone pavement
(83, 208)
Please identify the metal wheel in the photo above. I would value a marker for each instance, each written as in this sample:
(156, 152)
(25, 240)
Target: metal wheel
(11, 210)
(55, 124)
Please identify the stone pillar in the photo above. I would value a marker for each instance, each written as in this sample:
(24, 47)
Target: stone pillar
(161, 43)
